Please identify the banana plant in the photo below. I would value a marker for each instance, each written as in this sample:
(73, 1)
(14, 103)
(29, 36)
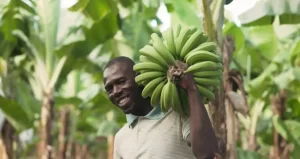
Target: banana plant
(48, 54)
(92, 114)
(265, 12)
(267, 56)
(17, 104)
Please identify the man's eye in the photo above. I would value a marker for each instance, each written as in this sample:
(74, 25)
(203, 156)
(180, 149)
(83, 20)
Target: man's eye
(121, 81)
(108, 89)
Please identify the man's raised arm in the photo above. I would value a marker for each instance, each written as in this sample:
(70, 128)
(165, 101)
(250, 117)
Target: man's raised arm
(202, 138)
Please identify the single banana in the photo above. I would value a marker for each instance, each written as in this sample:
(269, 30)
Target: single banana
(172, 88)
(155, 97)
(168, 36)
(207, 81)
(203, 66)
(165, 43)
(141, 84)
(149, 88)
(161, 49)
(150, 52)
(207, 46)
(149, 76)
(206, 92)
(146, 66)
(181, 40)
(215, 73)
(176, 100)
(144, 71)
(162, 98)
(144, 83)
(193, 29)
(183, 98)
(151, 42)
(211, 88)
(143, 58)
(195, 38)
(201, 55)
(168, 95)
(161, 102)
(220, 65)
(176, 32)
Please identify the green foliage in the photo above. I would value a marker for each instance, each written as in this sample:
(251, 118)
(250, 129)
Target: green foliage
(265, 11)
(267, 56)
(256, 50)
(96, 10)
(293, 110)
(262, 38)
(15, 114)
(139, 36)
(26, 100)
(136, 27)
(289, 130)
(184, 13)
(248, 154)
(126, 3)
(32, 32)
(102, 30)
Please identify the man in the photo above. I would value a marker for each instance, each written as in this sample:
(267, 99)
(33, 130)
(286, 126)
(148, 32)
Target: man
(151, 133)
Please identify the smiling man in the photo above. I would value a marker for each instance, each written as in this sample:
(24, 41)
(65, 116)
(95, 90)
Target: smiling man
(150, 133)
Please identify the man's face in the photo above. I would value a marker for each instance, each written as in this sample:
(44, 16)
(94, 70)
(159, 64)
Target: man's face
(120, 86)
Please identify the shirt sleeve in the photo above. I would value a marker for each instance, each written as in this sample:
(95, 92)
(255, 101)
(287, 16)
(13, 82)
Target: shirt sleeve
(185, 122)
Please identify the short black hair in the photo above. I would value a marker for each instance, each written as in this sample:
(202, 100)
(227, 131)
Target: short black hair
(123, 60)
(120, 59)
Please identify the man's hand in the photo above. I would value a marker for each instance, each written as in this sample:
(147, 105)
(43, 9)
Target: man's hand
(186, 81)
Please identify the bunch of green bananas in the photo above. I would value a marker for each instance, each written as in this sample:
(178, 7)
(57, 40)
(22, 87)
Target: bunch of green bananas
(161, 57)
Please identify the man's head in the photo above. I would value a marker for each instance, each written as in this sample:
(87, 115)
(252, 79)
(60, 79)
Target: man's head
(120, 85)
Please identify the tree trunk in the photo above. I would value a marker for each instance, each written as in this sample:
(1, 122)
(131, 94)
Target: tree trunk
(278, 108)
(77, 151)
(110, 151)
(63, 133)
(213, 28)
(85, 151)
(81, 151)
(45, 149)
(237, 130)
(7, 134)
(103, 153)
(228, 48)
(230, 123)
(73, 150)
(218, 107)
(3, 154)
(217, 110)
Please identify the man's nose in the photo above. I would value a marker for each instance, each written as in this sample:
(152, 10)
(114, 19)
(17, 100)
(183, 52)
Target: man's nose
(117, 91)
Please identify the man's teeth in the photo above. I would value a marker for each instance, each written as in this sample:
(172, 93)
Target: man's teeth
(123, 100)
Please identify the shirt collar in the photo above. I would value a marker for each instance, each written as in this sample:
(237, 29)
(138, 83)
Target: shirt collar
(155, 113)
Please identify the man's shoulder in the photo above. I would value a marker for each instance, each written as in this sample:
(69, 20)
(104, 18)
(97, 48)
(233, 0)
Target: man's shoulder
(175, 115)
(122, 131)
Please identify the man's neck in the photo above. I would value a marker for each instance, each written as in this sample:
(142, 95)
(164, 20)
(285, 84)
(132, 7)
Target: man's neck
(144, 108)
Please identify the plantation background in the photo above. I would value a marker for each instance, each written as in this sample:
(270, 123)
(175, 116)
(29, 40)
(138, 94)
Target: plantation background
(52, 55)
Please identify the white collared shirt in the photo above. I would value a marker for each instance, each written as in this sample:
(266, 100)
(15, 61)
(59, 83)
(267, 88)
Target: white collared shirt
(157, 135)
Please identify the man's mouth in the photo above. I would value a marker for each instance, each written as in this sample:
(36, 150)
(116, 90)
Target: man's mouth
(123, 101)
